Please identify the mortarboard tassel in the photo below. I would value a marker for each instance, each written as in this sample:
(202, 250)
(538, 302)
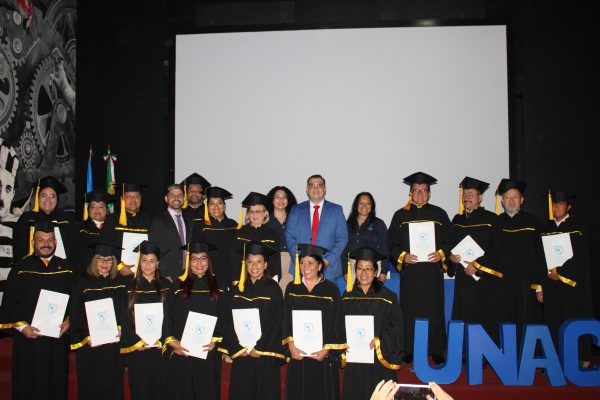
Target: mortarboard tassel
(497, 203)
(407, 205)
(123, 212)
(241, 220)
(297, 268)
(206, 217)
(550, 213)
(242, 280)
(36, 204)
(187, 264)
(185, 202)
(31, 230)
(461, 206)
(350, 277)
(85, 208)
(137, 262)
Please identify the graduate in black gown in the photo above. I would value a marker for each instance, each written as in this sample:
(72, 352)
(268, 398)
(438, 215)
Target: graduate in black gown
(99, 368)
(198, 291)
(313, 376)
(478, 286)
(421, 282)
(567, 289)
(47, 192)
(93, 229)
(216, 228)
(146, 368)
(40, 364)
(194, 187)
(366, 295)
(521, 259)
(255, 372)
(257, 217)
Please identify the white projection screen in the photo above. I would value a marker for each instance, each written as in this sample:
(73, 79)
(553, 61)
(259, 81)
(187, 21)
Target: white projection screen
(363, 107)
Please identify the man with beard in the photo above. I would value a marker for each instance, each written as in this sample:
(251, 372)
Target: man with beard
(193, 189)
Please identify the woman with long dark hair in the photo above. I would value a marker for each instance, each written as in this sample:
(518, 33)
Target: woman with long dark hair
(365, 229)
(144, 360)
(199, 291)
(281, 201)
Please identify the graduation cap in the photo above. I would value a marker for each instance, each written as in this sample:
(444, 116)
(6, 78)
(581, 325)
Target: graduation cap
(504, 186)
(97, 195)
(127, 187)
(470, 183)
(193, 179)
(47, 181)
(254, 199)
(367, 253)
(557, 196)
(306, 249)
(253, 247)
(42, 226)
(219, 193)
(194, 247)
(419, 178)
(105, 249)
(145, 248)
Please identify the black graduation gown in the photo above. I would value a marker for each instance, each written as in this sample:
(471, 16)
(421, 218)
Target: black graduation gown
(191, 377)
(40, 367)
(21, 240)
(136, 223)
(193, 213)
(309, 378)
(522, 265)
(146, 368)
(478, 301)
(221, 234)
(257, 378)
(87, 233)
(263, 234)
(421, 284)
(103, 361)
(360, 379)
(570, 296)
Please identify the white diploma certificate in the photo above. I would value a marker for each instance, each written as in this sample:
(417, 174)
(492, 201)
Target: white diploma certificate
(468, 250)
(102, 322)
(360, 332)
(198, 333)
(50, 312)
(246, 323)
(557, 249)
(307, 330)
(131, 241)
(421, 239)
(148, 321)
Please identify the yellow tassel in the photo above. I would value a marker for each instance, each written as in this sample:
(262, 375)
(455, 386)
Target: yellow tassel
(349, 277)
(206, 217)
(241, 220)
(550, 213)
(31, 230)
(137, 262)
(123, 213)
(185, 203)
(408, 203)
(187, 265)
(36, 204)
(461, 206)
(497, 203)
(297, 268)
(85, 208)
(242, 280)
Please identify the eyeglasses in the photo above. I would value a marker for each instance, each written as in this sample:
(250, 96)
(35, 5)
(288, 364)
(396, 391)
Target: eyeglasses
(255, 211)
(420, 190)
(102, 260)
(199, 259)
(316, 185)
(366, 270)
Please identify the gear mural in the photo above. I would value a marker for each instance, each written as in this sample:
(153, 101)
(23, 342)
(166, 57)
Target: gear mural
(38, 51)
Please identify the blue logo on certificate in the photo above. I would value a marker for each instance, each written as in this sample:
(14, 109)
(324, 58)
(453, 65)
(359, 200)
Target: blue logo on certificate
(52, 308)
(360, 332)
(308, 327)
(200, 329)
(248, 325)
(150, 319)
(423, 236)
(470, 253)
(101, 315)
(558, 250)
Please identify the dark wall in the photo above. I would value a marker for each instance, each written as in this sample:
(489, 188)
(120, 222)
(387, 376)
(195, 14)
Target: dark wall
(124, 89)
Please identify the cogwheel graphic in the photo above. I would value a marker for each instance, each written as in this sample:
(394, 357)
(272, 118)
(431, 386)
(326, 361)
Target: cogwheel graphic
(8, 90)
(29, 154)
(62, 15)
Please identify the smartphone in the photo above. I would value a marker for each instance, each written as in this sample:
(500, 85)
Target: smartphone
(408, 391)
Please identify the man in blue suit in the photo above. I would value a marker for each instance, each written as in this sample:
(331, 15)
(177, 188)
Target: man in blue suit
(318, 221)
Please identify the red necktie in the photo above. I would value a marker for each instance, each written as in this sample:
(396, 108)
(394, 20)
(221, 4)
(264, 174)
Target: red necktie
(315, 224)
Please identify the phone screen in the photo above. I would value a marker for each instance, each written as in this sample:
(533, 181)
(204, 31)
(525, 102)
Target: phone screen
(413, 392)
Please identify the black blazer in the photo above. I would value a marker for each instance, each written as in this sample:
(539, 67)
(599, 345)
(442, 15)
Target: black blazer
(163, 232)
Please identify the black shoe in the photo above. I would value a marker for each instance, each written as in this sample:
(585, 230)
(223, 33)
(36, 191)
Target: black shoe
(408, 358)
(437, 359)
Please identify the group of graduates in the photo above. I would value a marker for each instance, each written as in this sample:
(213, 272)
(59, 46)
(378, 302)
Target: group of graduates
(218, 265)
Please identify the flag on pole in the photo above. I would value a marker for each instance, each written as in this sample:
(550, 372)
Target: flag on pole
(111, 180)
(89, 185)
